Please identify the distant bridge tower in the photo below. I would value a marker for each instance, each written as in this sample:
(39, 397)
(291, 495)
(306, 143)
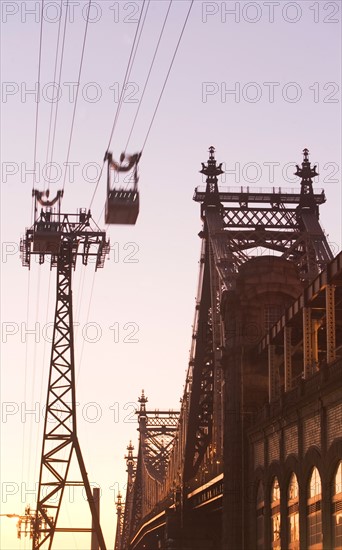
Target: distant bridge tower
(128, 507)
(62, 238)
(120, 520)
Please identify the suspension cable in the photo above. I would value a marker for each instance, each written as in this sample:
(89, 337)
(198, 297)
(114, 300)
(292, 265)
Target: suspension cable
(159, 99)
(47, 156)
(32, 207)
(168, 74)
(77, 91)
(54, 81)
(59, 83)
(127, 75)
(149, 74)
(38, 100)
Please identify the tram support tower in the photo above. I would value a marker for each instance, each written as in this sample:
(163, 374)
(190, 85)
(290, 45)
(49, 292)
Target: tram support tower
(61, 238)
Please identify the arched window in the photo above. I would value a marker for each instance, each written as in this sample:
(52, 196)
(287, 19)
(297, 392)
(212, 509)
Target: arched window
(337, 508)
(275, 514)
(260, 525)
(293, 513)
(314, 511)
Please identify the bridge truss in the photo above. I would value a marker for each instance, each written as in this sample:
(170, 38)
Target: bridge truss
(186, 471)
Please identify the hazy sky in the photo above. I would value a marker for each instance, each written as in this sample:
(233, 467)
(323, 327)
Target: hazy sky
(258, 80)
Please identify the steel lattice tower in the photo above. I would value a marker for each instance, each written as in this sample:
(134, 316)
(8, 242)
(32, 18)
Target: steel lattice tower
(62, 237)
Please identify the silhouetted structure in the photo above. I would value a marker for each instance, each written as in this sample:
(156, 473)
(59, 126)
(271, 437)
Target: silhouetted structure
(62, 238)
(122, 204)
(254, 458)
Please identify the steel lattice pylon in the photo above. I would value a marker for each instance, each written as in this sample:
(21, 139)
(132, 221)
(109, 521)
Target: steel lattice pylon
(63, 237)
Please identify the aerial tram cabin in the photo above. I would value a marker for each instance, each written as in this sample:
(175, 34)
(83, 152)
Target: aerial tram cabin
(47, 228)
(122, 205)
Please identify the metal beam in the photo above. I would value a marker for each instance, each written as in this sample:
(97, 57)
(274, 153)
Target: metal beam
(307, 342)
(331, 326)
(272, 383)
(287, 358)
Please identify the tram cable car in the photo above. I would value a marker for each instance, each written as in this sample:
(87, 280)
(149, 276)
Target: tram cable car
(122, 205)
(47, 233)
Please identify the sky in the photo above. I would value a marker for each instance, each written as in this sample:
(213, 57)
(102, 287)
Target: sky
(259, 81)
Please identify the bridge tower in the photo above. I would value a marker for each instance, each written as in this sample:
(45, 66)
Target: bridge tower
(61, 238)
(120, 520)
(258, 245)
(128, 506)
(241, 226)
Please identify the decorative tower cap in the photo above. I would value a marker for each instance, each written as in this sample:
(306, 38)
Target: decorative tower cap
(142, 399)
(129, 457)
(119, 502)
(211, 170)
(306, 172)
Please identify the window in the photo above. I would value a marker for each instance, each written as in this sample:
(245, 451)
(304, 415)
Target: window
(314, 512)
(293, 513)
(337, 508)
(260, 517)
(275, 514)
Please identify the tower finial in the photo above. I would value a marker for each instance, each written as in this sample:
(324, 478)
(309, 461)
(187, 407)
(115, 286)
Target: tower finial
(306, 155)
(119, 503)
(130, 450)
(306, 172)
(130, 458)
(142, 400)
(212, 171)
(307, 199)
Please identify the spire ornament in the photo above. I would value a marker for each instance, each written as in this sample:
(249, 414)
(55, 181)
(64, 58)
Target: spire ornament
(307, 198)
(211, 171)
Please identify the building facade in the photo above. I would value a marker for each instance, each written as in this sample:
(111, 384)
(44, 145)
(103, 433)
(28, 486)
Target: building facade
(283, 429)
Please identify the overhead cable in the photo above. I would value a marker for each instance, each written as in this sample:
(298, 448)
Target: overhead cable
(59, 83)
(168, 74)
(38, 100)
(77, 91)
(148, 76)
(116, 113)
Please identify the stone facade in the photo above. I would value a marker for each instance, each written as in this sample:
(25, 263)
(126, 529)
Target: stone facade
(282, 450)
